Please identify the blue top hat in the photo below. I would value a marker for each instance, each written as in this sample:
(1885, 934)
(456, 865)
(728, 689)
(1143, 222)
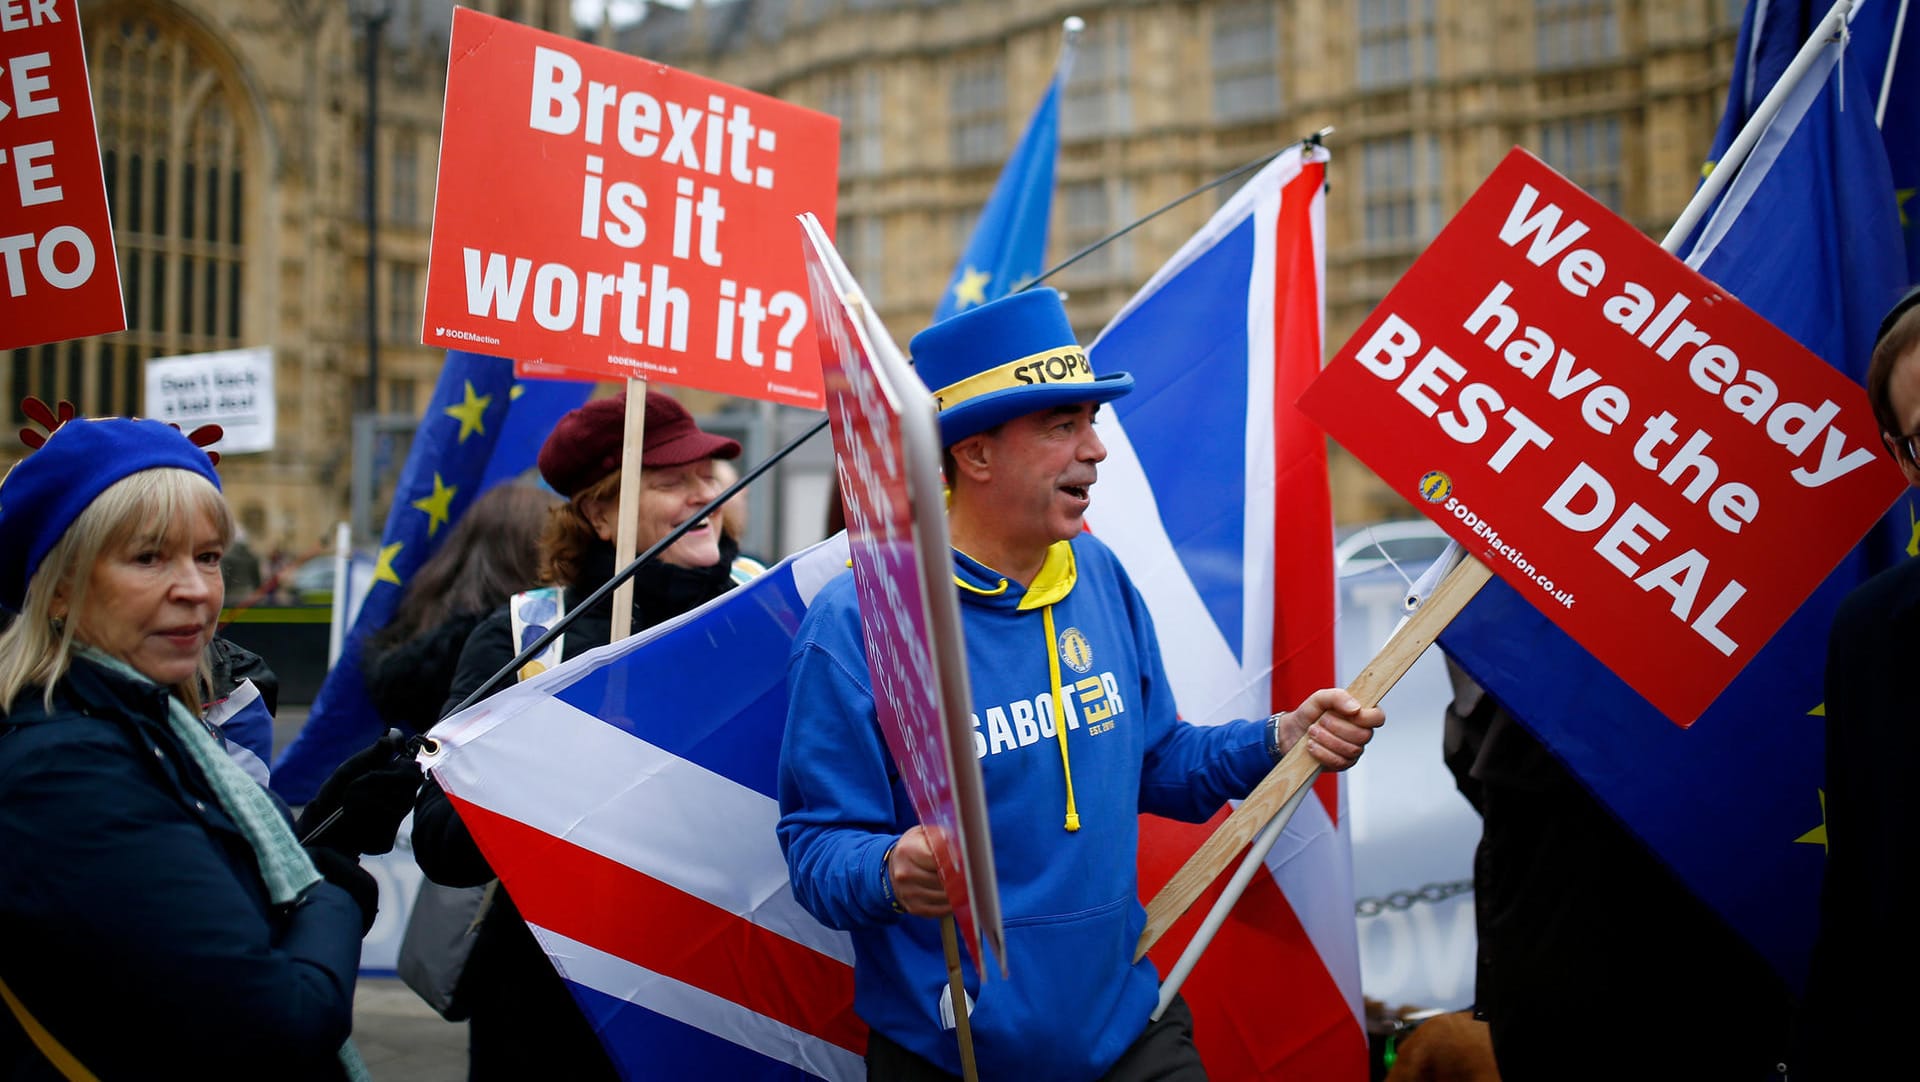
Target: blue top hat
(42, 495)
(1005, 358)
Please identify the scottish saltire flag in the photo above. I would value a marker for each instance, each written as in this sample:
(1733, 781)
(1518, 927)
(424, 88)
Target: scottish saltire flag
(482, 426)
(1811, 235)
(1215, 496)
(1010, 240)
(626, 799)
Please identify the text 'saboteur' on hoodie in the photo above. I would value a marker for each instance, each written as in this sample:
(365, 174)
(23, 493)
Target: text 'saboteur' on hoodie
(1073, 1000)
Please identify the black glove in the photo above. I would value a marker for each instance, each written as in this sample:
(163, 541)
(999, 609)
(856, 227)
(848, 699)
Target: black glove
(372, 791)
(344, 872)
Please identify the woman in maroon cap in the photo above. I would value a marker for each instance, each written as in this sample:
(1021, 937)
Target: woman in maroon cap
(524, 1022)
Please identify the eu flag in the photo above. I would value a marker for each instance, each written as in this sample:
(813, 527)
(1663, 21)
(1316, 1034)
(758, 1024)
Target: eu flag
(1811, 234)
(482, 427)
(1010, 240)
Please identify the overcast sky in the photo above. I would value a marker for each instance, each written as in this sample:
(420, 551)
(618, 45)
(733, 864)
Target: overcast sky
(587, 12)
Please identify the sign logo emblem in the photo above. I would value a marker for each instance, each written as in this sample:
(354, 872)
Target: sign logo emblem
(1075, 650)
(1435, 486)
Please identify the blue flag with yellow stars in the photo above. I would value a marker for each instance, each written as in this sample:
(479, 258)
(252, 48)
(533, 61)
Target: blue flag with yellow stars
(1010, 240)
(1811, 233)
(482, 427)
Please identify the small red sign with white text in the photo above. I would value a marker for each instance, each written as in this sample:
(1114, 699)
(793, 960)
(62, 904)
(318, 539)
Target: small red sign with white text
(1651, 463)
(58, 276)
(634, 219)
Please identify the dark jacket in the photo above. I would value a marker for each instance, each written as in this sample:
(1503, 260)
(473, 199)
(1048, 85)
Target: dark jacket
(1866, 953)
(524, 1022)
(408, 680)
(133, 921)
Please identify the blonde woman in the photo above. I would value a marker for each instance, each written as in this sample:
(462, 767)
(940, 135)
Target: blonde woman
(157, 914)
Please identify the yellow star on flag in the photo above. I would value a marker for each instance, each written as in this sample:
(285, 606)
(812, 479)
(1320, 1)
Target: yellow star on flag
(1913, 537)
(383, 568)
(1904, 194)
(1818, 835)
(518, 389)
(470, 413)
(436, 505)
(971, 289)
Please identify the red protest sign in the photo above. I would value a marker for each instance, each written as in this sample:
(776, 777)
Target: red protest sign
(623, 215)
(56, 246)
(888, 454)
(1655, 466)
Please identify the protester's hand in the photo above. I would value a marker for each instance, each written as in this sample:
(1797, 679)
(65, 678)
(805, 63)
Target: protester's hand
(916, 876)
(344, 872)
(1334, 725)
(373, 791)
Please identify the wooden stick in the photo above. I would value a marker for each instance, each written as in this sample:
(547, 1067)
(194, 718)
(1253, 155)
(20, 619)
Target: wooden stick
(627, 533)
(1298, 769)
(957, 988)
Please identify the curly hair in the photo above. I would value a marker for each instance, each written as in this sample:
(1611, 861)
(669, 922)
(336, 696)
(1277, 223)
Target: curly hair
(569, 533)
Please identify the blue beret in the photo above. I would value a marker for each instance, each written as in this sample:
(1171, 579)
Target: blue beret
(1011, 356)
(47, 490)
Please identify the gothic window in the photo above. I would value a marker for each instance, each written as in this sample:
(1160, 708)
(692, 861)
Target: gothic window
(978, 111)
(1400, 191)
(1587, 151)
(1246, 61)
(1090, 210)
(1573, 33)
(1096, 101)
(1396, 43)
(854, 97)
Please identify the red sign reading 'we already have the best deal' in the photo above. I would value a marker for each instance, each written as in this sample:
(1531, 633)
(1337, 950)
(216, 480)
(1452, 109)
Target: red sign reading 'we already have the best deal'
(1656, 467)
(619, 218)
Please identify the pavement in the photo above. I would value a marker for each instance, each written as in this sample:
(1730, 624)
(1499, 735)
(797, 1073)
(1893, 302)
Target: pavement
(402, 1039)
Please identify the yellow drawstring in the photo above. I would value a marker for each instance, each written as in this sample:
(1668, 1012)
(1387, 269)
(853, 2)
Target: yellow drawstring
(1054, 581)
(1059, 715)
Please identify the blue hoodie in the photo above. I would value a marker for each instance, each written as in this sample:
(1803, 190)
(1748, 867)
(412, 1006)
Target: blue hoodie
(1073, 1001)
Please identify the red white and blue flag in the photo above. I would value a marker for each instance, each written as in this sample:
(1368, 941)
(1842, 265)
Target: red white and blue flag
(627, 798)
(1215, 496)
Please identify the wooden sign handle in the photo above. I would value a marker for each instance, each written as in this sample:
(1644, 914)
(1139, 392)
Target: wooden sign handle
(957, 988)
(1298, 769)
(627, 535)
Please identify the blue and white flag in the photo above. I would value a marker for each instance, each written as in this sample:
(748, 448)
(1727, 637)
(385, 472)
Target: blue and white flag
(1811, 235)
(483, 426)
(1010, 241)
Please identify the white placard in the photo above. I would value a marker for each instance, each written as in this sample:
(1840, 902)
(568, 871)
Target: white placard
(231, 388)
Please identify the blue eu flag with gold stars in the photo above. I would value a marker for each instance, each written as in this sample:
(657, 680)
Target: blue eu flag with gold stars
(1812, 234)
(482, 427)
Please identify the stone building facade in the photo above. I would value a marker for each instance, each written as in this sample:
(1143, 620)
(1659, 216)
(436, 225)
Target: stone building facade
(233, 136)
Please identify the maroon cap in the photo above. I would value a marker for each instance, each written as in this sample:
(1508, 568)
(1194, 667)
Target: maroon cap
(585, 446)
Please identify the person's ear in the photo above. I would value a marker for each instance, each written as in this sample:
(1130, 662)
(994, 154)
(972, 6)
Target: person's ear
(973, 458)
(602, 516)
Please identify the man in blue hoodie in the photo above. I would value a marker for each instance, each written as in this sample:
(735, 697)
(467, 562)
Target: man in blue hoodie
(1050, 617)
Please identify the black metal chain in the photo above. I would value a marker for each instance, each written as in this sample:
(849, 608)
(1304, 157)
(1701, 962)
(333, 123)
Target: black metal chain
(1402, 900)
